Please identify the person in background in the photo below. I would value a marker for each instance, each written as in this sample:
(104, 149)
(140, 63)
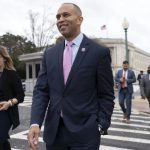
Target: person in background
(125, 78)
(11, 94)
(146, 85)
(74, 89)
(139, 78)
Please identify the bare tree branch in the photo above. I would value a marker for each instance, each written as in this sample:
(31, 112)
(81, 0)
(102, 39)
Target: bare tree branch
(42, 30)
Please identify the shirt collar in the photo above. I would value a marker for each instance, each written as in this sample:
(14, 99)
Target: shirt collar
(77, 41)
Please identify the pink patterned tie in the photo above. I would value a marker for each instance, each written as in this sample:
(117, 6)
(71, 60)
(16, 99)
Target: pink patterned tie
(67, 60)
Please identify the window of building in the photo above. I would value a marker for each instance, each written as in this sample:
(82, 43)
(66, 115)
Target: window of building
(30, 71)
(37, 69)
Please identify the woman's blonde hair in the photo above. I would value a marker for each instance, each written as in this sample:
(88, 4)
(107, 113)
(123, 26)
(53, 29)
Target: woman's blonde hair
(8, 63)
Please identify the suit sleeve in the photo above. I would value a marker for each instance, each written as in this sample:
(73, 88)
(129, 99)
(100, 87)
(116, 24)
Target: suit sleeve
(133, 79)
(105, 90)
(40, 95)
(18, 92)
(117, 77)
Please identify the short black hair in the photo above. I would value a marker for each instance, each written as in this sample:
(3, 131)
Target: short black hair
(125, 62)
(76, 6)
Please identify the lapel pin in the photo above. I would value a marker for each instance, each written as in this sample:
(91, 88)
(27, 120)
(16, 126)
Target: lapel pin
(83, 49)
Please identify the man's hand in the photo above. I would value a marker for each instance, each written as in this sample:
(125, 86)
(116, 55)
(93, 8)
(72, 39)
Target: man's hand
(123, 79)
(4, 105)
(33, 137)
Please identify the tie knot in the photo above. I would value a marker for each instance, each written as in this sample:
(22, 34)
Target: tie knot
(70, 43)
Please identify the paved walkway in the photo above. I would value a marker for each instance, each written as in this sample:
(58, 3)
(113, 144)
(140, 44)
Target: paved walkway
(138, 105)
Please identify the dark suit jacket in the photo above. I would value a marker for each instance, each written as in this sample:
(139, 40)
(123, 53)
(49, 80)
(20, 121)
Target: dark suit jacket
(139, 78)
(87, 98)
(146, 85)
(12, 88)
(130, 79)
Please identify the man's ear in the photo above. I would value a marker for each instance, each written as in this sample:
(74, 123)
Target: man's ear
(80, 20)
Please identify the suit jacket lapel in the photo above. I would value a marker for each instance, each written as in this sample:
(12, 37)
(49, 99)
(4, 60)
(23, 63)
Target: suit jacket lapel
(121, 72)
(83, 49)
(128, 73)
(60, 62)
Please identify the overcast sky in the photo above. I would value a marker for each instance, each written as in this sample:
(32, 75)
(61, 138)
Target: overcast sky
(14, 17)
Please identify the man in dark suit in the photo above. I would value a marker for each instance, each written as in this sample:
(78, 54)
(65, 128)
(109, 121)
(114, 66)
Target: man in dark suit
(78, 97)
(146, 85)
(125, 78)
(139, 78)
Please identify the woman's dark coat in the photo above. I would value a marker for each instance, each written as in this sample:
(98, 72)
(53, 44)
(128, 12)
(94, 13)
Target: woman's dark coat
(12, 88)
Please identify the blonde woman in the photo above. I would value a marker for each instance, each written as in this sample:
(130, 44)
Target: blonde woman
(11, 94)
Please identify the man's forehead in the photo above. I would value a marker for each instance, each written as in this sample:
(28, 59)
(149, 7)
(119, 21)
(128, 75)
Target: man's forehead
(65, 7)
(125, 65)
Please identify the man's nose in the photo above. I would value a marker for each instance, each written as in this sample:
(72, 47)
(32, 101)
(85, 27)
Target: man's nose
(61, 18)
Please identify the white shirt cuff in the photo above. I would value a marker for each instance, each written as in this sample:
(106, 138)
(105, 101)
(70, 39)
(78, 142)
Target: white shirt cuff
(32, 125)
